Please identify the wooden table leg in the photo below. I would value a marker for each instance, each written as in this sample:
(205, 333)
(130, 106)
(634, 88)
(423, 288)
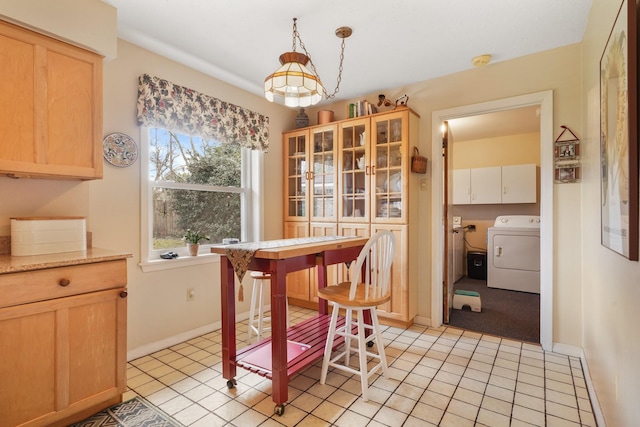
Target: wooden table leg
(227, 282)
(280, 380)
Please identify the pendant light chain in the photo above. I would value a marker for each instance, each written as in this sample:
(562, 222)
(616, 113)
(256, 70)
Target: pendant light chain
(343, 36)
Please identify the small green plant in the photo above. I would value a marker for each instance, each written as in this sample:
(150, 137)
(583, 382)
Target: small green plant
(194, 237)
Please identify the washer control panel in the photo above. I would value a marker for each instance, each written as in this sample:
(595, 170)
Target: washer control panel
(518, 221)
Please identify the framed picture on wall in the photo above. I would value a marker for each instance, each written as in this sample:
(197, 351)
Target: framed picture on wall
(619, 135)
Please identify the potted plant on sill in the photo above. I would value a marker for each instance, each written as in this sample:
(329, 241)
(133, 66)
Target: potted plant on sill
(193, 239)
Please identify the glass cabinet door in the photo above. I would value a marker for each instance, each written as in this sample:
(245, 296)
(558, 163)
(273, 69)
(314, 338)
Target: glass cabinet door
(355, 170)
(389, 171)
(322, 177)
(297, 175)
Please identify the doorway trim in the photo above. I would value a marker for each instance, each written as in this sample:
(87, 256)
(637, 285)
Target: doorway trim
(545, 101)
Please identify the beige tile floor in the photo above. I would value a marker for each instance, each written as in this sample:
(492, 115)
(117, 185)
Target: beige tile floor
(438, 377)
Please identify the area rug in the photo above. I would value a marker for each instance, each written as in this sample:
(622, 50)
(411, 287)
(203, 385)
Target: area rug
(505, 313)
(136, 412)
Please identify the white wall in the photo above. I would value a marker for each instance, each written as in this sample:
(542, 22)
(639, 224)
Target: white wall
(611, 284)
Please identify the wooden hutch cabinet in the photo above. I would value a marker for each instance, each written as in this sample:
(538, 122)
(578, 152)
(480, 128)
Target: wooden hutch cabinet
(358, 182)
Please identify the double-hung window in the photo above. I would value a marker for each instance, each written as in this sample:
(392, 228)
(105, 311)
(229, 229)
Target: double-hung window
(200, 171)
(193, 184)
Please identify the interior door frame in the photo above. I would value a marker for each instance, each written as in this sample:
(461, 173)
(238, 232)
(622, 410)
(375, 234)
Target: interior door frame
(545, 101)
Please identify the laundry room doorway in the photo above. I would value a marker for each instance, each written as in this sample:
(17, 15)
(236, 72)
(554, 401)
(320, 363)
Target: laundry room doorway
(541, 102)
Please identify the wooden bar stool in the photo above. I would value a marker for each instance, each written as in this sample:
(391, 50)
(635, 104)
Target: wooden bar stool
(257, 320)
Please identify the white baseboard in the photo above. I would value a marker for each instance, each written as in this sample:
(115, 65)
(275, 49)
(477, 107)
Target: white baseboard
(574, 351)
(422, 320)
(149, 348)
(597, 412)
(567, 350)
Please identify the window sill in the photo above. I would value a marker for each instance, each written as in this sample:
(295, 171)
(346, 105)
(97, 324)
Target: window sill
(180, 262)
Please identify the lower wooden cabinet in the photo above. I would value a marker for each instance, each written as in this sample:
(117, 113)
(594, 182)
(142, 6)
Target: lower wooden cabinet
(302, 286)
(63, 359)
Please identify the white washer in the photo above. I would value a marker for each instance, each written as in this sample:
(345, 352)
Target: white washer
(513, 253)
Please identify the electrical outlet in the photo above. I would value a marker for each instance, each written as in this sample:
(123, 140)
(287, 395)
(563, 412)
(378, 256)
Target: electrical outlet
(191, 294)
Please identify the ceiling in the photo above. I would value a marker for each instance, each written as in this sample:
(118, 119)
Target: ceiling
(394, 42)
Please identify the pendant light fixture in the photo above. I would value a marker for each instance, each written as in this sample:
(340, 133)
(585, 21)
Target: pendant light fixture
(294, 82)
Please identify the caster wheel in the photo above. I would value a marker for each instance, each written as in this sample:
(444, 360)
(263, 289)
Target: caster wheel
(231, 384)
(369, 344)
(279, 410)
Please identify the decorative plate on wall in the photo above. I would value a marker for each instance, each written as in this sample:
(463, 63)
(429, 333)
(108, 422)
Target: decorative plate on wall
(119, 149)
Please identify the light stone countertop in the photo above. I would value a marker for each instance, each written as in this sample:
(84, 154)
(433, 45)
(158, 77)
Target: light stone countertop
(16, 264)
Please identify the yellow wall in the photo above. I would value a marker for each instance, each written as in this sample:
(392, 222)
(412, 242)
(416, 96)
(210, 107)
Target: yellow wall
(503, 150)
(557, 70)
(478, 153)
(158, 308)
(595, 290)
(610, 283)
(87, 23)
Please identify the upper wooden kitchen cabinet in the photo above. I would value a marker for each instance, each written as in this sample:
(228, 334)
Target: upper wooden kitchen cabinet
(51, 107)
(310, 177)
(370, 185)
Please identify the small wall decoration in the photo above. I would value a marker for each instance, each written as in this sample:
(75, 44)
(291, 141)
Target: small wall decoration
(619, 135)
(567, 157)
(119, 149)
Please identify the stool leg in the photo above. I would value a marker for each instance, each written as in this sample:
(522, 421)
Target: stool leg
(362, 349)
(288, 321)
(261, 310)
(252, 310)
(329, 344)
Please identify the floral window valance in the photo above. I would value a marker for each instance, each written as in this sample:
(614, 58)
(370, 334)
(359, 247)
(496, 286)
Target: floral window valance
(180, 109)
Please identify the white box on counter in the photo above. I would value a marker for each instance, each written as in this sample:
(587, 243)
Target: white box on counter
(47, 235)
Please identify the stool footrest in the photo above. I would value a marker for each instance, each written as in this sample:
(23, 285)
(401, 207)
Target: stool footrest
(470, 298)
(467, 293)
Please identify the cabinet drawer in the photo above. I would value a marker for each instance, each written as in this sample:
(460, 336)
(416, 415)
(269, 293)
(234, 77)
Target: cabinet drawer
(50, 283)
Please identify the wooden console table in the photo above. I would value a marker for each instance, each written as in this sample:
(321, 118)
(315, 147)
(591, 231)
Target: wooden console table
(287, 351)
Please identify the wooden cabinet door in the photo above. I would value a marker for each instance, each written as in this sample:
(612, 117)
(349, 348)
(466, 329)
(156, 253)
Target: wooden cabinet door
(354, 171)
(297, 281)
(17, 98)
(350, 230)
(323, 175)
(296, 175)
(28, 368)
(97, 343)
(322, 229)
(389, 170)
(62, 356)
(72, 111)
(50, 107)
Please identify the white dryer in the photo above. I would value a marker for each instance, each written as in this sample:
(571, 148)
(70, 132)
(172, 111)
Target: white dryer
(513, 253)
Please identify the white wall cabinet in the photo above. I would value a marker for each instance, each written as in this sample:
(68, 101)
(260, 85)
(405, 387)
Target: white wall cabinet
(519, 184)
(495, 185)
